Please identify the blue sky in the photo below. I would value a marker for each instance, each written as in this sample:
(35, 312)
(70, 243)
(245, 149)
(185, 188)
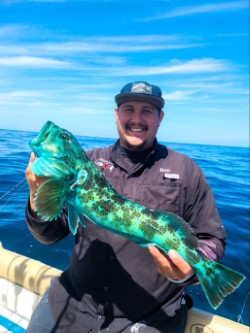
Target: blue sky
(65, 61)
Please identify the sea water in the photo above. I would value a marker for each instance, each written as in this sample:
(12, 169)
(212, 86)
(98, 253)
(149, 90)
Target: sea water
(227, 172)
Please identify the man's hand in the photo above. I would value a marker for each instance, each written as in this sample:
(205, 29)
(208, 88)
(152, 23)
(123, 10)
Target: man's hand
(173, 267)
(33, 181)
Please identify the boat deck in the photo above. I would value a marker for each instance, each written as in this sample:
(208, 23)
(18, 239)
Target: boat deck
(16, 306)
(10, 325)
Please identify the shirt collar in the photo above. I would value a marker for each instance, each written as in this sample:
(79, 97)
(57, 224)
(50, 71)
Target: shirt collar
(131, 161)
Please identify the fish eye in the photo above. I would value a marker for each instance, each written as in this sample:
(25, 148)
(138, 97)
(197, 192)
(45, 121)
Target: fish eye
(64, 136)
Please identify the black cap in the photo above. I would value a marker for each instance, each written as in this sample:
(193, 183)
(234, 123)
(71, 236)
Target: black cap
(140, 91)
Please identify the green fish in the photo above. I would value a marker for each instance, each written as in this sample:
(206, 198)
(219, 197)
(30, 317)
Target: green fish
(75, 180)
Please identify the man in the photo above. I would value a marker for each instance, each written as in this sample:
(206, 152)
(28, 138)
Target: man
(112, 284)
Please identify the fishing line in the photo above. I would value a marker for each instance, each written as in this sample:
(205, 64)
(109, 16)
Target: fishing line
(243, 255)
(14, 189)
(240, 315)
(244, 303)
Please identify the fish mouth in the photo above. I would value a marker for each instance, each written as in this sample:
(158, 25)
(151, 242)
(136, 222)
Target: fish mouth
(36, 144)
(42, 136)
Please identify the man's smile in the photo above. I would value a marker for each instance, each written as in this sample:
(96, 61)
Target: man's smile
(136, 128)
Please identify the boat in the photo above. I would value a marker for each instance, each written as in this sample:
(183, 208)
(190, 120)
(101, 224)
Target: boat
(23, 281)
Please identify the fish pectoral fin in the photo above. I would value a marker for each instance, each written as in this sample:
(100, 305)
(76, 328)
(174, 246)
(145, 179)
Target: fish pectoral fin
(73, 219)
(50, 197)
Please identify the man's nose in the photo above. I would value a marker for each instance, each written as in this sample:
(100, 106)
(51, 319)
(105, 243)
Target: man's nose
(137, 116)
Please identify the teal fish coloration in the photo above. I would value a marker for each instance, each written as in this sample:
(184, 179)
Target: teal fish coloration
(74, 180)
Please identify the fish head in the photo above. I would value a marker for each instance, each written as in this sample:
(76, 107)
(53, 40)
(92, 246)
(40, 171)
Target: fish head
(57, 152)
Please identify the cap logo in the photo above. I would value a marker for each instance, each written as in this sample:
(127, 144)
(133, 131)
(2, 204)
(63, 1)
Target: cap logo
(141, 88)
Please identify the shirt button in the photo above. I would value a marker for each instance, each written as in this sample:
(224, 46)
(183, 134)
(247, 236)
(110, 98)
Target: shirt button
(106, 288)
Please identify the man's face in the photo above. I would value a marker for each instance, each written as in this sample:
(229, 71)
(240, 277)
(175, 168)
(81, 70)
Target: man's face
(137, 124)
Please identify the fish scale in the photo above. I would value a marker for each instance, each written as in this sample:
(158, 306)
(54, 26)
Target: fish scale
(75, 180)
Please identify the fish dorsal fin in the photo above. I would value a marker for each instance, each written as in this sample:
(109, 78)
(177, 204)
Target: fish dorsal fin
(180, 226)
(50, 197)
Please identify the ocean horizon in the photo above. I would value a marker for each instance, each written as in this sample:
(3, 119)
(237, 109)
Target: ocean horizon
(225, 167)
(110, 139)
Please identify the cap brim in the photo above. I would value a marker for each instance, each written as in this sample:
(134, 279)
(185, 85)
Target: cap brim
(154, 100)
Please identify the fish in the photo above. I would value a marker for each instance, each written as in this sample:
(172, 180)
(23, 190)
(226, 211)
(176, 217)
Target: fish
(76, 182)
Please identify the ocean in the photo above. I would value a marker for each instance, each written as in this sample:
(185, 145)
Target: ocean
(227, 172)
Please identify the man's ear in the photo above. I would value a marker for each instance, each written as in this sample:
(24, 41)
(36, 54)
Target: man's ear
(161, 116)
(116, 113)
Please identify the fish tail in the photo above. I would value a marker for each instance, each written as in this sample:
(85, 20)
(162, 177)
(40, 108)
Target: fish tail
(217, 281)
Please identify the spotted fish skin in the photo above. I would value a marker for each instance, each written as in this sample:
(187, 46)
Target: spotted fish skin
(75, 180)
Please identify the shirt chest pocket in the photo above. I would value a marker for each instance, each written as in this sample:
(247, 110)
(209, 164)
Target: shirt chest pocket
(166, 196)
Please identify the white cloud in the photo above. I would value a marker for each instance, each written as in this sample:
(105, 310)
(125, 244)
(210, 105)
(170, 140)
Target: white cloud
(12, 30)
(19, 94)
(175, 67)
(220, 88)
(179, 95)
(204, 65)
(34, 62)
(90, 45)
(201, 9)
(233, 35)
(10, 2)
